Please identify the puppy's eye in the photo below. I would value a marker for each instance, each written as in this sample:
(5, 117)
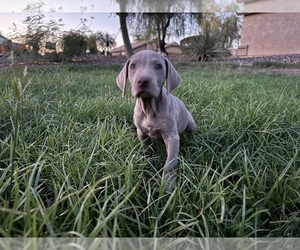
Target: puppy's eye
(158, 66)
(132, 66)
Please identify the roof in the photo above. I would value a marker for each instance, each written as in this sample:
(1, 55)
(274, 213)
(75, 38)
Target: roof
(139, 44)
(133, 45)
(3, 38)
(172, 44)
(267, 6)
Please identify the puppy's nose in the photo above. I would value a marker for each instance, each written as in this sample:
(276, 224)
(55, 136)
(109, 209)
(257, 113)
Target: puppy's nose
(144, 81)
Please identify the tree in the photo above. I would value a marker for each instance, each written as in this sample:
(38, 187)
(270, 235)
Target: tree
(92, 44)
(151, 5)
(225, 24)
(38, 30)
(230, 27)
(35, 31)
(216, 34)
(158, 26)
(74, 44)
(98, 41)
(162, 14)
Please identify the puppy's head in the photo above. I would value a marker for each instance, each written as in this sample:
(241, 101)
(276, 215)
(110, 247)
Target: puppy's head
(147, 71)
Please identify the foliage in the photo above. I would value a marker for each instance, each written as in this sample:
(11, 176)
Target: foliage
(217, 33)
(38, 30)
(176, 6)
(79, 169)
(206, 47)
(100, 41)
(54, 56)
(226, 24)
(74, 43)
(157, 26)
(41, 32)
(92, 44)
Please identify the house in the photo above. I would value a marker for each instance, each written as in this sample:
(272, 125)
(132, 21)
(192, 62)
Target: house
(270, 27)
(2, 39)
(5, 44)
(172, 48)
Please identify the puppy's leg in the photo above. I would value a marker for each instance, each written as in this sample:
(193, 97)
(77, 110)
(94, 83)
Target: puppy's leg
(191, 123)
(146, 141)
(172, 142)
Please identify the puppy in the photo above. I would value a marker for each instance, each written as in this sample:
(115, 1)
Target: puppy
(157, 112)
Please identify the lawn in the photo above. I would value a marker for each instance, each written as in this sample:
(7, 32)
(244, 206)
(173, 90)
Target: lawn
(71, 164)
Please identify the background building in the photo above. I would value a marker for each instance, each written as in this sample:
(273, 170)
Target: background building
(270, 27)
(172, 48)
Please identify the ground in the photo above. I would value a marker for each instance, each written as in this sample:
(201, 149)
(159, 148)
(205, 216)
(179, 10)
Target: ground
(282, 64)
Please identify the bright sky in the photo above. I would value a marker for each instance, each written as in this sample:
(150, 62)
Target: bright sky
(62, 5)
(105, 22)
(100, 17)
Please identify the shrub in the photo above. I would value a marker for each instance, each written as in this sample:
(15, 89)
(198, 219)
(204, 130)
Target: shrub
(54, 56)
(74, 44)
(92, 45)
(206, 46)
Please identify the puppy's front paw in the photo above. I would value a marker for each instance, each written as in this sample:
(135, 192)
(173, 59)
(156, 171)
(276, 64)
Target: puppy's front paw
(170, 180)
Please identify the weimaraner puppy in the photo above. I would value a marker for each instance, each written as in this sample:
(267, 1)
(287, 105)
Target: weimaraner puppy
(157, 112)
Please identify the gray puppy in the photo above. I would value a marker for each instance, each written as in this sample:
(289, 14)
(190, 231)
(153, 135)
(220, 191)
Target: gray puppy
(157, 112)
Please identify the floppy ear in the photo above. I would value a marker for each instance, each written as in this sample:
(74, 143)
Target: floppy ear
(122, 78)
(173, 79)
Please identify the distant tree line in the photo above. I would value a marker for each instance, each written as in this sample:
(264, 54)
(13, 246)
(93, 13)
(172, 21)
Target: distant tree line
(47, 37)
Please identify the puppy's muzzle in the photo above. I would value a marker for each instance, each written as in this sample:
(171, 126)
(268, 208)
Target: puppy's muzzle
(144, 81)
(144, 88)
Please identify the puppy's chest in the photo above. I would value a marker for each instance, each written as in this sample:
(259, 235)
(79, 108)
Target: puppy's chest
(151, 127)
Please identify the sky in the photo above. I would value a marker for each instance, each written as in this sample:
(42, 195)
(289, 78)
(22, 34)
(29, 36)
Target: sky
(105, 22)
(100, 17)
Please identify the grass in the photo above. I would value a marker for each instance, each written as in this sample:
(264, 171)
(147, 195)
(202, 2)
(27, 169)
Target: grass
(71, 164)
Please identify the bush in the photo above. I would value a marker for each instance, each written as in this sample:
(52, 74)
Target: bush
(74, 44)
(92, 45)
(54, 56)
(206, 46)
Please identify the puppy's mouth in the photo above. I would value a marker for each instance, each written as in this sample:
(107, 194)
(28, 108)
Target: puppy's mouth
(144, 94)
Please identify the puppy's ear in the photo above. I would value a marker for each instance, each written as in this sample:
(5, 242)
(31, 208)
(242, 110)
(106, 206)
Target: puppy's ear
(173, 79)
(122, 78)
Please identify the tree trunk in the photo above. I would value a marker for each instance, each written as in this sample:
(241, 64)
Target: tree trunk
(161, 40)
(162, 47)
(122, 17)
(124, 30)
(163, 22)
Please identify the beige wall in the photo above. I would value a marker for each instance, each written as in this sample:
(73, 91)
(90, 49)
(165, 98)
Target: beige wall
(271, 34)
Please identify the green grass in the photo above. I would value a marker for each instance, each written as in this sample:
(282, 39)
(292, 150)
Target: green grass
(71, 164)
